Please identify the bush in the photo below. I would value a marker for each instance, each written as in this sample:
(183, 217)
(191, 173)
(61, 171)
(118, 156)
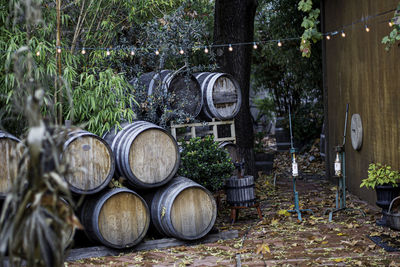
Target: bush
(205, 163)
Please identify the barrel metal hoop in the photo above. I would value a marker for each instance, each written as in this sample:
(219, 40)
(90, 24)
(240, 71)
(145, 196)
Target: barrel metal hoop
(239, 187)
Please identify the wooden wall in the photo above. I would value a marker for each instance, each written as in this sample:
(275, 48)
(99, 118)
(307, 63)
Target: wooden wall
(359, 71)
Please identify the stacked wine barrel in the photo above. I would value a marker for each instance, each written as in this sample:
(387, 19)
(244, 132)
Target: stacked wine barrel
(9, 157)
(183, 89)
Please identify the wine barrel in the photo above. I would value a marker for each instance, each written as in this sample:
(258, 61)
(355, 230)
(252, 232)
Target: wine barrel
(184, 90)
(183, 209)
(221, 95)
(118, 218)
(232, 149)
(240, 191)
(145, 154)
(91, 162)
(9, 157)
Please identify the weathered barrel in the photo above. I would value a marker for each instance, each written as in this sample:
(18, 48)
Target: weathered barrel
(183, 209)
(91, 162)
(232, 149)
(118, 218)
(240, 191)
(184, 90)
(9, 157)
(222, 97)
(145, 154)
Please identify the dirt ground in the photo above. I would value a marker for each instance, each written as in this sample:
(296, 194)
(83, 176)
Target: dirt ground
(280, 239)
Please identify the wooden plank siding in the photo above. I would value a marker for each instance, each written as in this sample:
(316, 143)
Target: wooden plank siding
(359, 71)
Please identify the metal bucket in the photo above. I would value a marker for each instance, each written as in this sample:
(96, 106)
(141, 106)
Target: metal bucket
(393, 219)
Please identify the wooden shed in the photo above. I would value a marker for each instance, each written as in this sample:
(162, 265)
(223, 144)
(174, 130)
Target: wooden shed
(359, 71)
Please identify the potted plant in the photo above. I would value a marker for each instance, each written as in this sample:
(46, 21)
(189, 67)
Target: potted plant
(385, 181)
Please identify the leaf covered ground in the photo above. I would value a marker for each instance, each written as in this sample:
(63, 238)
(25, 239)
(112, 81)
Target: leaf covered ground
(280, 239)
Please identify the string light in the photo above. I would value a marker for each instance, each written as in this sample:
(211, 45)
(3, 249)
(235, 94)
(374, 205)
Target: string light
(304, 41)
(279, 43)
(230, 48)
(181, 51)
(328, 37)
(38, 53)
(255, 45)
(367, 28)
(83, 51)
(59, 50)
(132, 52)
(108, 52)
(157, 52)
(343, 34)
(390, 24)
(206, 50)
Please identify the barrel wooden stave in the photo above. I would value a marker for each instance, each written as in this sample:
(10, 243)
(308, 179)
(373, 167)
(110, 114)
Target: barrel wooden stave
(145, 154)
(9, 158)
(118, 218)
(91, 162)
(240, 191)
(183, 209)
(221, 95)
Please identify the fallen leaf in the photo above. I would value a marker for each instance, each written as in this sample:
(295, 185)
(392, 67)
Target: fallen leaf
(283, 212)
(263, 249)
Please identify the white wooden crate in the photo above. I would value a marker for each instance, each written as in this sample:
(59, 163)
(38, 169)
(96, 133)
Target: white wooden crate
(196, 127)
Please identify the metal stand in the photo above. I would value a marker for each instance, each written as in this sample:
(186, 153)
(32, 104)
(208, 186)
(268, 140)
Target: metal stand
(341, 188)
(340, 173)
(296, 194)
(295, 174)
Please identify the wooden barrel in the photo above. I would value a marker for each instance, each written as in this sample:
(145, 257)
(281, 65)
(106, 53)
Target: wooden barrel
(222, 97)
(183, 209)
(184, 90)
(240, 191)
(9, 158)
(232, 149)
(91, 162)
(118, 218)
(145, 154)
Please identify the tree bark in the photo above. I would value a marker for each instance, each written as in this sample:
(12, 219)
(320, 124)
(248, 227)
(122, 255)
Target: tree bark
(234, 23)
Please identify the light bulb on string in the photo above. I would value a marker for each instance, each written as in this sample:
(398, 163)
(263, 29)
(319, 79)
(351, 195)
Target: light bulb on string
(83, 51)
(343, 34)
(132, 52)
(255, 45)
(390, 24)
(230, 48)
(181, 51)
(38, 53)
(108, 52)
(59, 50)
(157, 52)
(279, 43)
(328, 37)
(304, 41)
(367, 28)
(206, 50)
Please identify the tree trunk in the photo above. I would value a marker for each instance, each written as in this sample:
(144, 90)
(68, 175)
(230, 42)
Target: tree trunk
(234, 23)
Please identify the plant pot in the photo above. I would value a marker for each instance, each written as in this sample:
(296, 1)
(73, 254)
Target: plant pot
(384, 196)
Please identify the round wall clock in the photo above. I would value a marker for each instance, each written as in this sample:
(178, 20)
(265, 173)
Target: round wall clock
(356, 131)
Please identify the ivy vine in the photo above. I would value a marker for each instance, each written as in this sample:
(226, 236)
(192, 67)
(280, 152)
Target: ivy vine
(394, 35)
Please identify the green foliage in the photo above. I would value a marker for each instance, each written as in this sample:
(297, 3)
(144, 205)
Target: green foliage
(282, 73)
(37, 214)
(379, 174)
(205, 163)
(310, 25)
(394, 35)
(266, 107)
(258, 142)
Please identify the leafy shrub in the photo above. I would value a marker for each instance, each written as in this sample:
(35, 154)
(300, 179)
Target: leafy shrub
(205, 163)
(379, 174)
